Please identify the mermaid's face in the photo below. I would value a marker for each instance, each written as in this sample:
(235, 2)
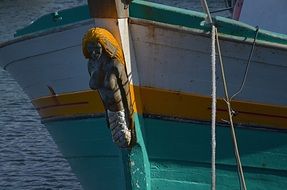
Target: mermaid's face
(95, 50)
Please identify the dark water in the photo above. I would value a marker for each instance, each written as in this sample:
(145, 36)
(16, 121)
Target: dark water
(29, 159)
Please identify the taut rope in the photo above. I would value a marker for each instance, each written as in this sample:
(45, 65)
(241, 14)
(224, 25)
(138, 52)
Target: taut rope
(214, 36)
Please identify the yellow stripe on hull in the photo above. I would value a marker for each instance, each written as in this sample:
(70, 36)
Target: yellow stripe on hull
(70, 104)
(164, 103)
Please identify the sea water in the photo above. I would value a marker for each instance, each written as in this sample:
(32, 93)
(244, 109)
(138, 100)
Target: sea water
(29, 159)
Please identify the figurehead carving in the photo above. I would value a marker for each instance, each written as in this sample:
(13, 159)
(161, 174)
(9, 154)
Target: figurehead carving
(108, 75)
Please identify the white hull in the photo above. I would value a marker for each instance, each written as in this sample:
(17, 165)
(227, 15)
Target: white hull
(165, 58)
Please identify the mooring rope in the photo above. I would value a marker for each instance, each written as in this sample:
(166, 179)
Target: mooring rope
(213, 115)
(227, 100)
(214, 36)
(213, 94)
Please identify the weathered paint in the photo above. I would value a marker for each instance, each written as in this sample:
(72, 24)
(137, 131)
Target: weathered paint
(96, 160)
(139, 161)
(179, 60)
(54, 58)
(57, 19)
(160, 13)
(156, 51)
(180, 154)
(177, 161)
(192, 19)
(163, 103)
(88, 147)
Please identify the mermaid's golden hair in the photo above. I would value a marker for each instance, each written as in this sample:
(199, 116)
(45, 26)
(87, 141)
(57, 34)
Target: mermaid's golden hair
(106, 39)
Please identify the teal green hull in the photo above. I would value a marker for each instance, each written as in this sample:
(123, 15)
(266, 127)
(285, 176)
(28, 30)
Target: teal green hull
(87, 145)
(170, 155)
(180, 156)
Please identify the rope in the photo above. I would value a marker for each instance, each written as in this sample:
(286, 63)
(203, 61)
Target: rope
(241, 175)
(206, 10)
(213, 114)
(236, 151)
(213, 110)
(248, 64)
(213, 144)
